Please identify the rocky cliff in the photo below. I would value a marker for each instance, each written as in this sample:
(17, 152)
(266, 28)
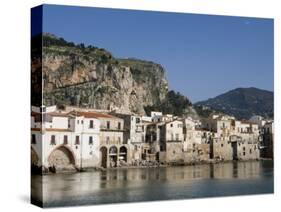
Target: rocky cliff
(91, 77)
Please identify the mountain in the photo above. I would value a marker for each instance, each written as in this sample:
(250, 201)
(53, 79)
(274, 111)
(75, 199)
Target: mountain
(242, 103)
(91, 77)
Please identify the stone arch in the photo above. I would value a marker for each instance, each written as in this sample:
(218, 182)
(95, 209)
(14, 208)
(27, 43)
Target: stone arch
(123, 153)
(34, 157)
(113, 156)
(103, 152)
(62, 158)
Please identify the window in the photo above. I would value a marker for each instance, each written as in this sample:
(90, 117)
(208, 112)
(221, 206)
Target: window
(90, 140)
(119, 140)
(119, 126)
(65, 139)
(171, 125)
(91, 126)
(221, 145)
(53, 140)
(68, 123)
(33, 139)
(172, 136)
(107, 139)
(77, 121)
(108, 124)
(177, 136)
(250, 151)
(82, 122)
(77, 140)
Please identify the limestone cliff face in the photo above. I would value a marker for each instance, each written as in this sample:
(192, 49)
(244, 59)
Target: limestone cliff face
(91, 77)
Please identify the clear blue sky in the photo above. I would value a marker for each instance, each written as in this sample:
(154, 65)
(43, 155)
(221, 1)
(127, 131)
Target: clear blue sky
(203, 55)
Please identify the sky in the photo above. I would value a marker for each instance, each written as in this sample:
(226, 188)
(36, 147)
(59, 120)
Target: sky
(203, 55)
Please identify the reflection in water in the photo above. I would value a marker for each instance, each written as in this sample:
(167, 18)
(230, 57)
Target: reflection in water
(144, 184)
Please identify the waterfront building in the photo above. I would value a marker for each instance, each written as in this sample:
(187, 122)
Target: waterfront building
(171, 142)
(78, 138)
(221, 126)
(196, 144)
(133, 134)
(151, 146)
(114, 150)
(246, 140)
(267, 140)
(63, 140)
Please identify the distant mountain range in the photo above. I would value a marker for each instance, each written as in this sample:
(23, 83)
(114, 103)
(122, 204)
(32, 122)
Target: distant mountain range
(241, 103)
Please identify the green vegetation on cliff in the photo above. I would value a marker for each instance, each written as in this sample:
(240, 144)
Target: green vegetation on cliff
(174, 103)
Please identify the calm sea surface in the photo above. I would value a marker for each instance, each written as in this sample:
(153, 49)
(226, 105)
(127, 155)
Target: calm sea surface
(149, 184)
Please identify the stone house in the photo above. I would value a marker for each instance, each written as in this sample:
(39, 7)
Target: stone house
(196, 144)
(171, 142)
(245, 140)
(220, 147)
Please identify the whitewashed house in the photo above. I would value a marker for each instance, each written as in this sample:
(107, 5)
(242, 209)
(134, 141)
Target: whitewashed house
(64, 140)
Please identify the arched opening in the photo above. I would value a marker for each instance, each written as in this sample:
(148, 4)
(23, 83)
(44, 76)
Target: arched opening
(34, 158)
(103, 152)
(113, 156)
(61, 158)
(123, 154)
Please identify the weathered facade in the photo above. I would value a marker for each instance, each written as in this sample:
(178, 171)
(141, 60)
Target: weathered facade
(133, 134)
(171, 142)
(114, 150)
(267, 140)
(65, 141)
(80, 139)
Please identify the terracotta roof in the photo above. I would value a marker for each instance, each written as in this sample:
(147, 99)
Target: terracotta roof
(58, 114)
(58, 130)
